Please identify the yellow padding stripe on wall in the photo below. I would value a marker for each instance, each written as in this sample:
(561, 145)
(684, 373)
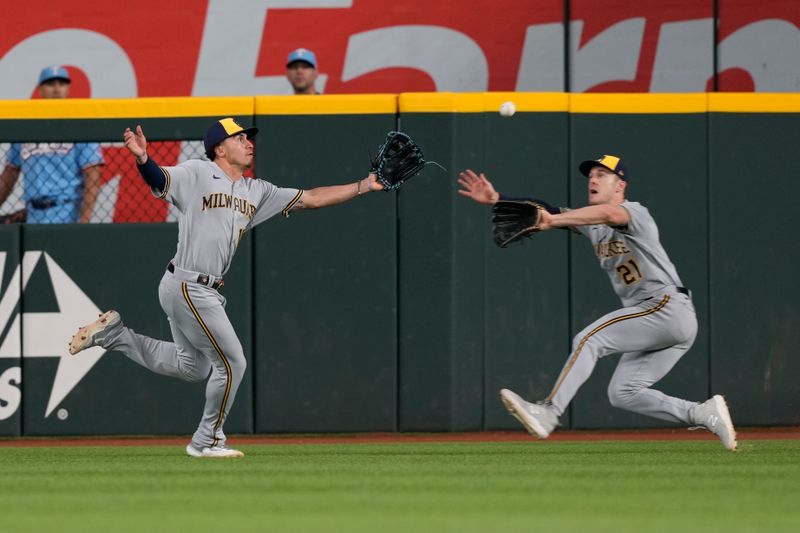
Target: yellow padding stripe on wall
(638, 103)
(364, 104)
(79, 108)
(481, 102)
(337, 104)
(754, 102)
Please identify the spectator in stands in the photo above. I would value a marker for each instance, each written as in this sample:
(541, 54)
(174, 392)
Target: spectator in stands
(60, 179)
(301, 71)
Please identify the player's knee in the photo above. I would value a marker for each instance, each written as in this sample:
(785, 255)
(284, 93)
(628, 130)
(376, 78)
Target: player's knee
(583, 337)
(232, 365)
(577, 341)
(238, 365)
(616, 399)
(621, 395)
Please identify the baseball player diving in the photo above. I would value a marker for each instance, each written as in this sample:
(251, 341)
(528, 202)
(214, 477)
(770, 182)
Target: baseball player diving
(653, 329)
(217, 207)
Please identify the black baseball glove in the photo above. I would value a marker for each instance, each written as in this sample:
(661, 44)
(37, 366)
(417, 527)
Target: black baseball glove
(398, 159)
(514, 220)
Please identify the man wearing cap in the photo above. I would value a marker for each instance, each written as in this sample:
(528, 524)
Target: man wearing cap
(653, 329)
(301, 71)
(217, 206)
(60, 180)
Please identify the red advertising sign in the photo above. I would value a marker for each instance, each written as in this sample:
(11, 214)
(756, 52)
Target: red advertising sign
(223, 47)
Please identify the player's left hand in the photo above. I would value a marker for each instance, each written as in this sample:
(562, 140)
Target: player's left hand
(545, 220)
(373, 183)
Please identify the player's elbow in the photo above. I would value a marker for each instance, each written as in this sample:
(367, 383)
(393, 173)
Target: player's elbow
(311, 200)
(615, 215)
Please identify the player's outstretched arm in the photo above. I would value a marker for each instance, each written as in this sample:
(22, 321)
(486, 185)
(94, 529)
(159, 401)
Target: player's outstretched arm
(609, 214)
(477, 187)
(337, 194)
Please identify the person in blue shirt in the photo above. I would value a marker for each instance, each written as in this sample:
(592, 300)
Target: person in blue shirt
(61, 180)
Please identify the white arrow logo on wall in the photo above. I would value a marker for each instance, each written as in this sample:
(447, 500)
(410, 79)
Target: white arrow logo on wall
(48, 334)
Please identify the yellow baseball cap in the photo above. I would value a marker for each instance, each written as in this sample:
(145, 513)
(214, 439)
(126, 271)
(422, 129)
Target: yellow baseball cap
(610, 162)
(222, 129)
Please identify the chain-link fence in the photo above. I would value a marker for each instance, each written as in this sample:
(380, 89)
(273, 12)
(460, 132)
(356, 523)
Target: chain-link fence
(83, 182)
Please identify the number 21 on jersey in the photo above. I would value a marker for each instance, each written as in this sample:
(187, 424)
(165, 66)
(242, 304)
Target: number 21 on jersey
(629, 272)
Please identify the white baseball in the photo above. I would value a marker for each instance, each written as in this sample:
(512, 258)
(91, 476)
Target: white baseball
(507, 109)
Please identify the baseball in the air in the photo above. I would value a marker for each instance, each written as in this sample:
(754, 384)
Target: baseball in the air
(507, 109)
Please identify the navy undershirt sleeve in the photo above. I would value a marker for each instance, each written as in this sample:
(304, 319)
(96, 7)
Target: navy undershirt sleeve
(152, 174)
(550, 209)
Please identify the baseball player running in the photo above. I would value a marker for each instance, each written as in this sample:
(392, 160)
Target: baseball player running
(653, 329)
(217, 206)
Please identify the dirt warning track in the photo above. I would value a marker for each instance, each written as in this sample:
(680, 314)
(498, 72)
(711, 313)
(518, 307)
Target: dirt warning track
(791, 433)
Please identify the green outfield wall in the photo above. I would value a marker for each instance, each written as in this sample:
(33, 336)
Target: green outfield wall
(10, 347)
(326, 286)
(396, 311)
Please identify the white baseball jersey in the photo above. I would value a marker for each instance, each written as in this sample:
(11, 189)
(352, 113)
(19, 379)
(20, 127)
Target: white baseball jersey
(216, 212)
(633, 257)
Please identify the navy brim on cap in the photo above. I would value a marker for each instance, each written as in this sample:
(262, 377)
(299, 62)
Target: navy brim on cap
(609, 162)
(222, 129)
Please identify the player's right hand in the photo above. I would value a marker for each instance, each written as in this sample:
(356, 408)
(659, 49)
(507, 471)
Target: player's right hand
(136, 142)
(477, 187)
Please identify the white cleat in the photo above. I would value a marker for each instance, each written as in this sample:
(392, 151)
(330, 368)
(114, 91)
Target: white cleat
(87, 335)
(714, 416)
(213, 451)
(538, 418)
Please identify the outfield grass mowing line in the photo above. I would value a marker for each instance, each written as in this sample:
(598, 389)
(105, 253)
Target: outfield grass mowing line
(536, 486)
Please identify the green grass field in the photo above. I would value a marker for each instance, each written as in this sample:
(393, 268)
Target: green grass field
(538, 486)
